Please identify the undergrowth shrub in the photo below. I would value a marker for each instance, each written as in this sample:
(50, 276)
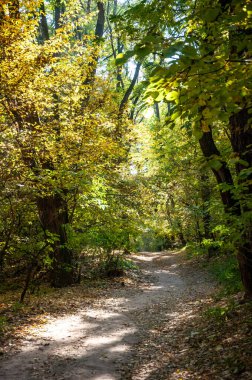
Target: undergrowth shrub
(115, 265)
(226, 271)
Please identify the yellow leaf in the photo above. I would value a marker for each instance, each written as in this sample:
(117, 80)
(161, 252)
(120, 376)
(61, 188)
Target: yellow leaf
(204, 126)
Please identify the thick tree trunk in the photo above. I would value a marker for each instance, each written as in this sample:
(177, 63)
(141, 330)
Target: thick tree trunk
(54, 218)
(222, 174)
(241, 140)
(43, 26)
(57, 13)
(99, 29)
(52, 208)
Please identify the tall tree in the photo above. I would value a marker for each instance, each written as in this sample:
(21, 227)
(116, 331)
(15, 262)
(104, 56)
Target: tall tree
(41, 105)
(205, 72)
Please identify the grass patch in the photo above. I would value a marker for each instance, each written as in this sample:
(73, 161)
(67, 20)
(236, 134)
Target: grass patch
(3, 324)
(194, 250)
(220, 313)
(225, 270)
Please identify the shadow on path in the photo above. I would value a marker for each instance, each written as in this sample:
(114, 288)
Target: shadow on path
(100, 342)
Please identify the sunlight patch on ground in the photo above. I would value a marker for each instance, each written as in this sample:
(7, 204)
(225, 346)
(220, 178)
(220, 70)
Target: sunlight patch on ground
(109, 315)
(148, 257)
(103, 377)
(177, 317)
(119, 348)
(63, 328)
(106, 340)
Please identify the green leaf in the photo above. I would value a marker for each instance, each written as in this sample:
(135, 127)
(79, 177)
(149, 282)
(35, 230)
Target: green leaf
(211, 14)
(123, 58)
(245, 173)
(172, 95)
(159, 97)
(215, 164)
(157, 73)
(173, 49)
(190, 52)
(143, 51)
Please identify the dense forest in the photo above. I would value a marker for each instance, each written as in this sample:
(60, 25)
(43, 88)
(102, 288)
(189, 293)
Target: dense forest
(125, 126)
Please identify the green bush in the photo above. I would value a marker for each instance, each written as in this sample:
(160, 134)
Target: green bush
(194, 249)
(116, 265)
(225, 270)
(218, 313)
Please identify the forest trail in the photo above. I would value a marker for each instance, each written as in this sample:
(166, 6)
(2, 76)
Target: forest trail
(122, 335)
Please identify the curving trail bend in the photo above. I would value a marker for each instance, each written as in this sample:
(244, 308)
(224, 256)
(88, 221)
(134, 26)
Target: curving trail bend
(107, 340)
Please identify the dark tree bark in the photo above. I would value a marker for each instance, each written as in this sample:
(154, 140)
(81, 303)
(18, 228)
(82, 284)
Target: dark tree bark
(129, 90)
(44, 31)
(57, 14)
(53, 215)
(99, 30)
(222, 175)
(157, 111)
(133, 108)
(52, 209)
(181, 234)
(241, 140)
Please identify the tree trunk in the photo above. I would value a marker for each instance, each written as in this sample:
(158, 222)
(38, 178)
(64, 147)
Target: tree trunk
(54, 218)
(99, 30)
(157, 111)
(181, 234)
(129, 90)
(57, 14)
(43, 26)
(222, 174)
(206, 217)
(241, 140)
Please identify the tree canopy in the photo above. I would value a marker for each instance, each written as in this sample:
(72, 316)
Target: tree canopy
(124, 126)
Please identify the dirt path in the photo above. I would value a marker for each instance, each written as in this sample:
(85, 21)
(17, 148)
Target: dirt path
(115, 338)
